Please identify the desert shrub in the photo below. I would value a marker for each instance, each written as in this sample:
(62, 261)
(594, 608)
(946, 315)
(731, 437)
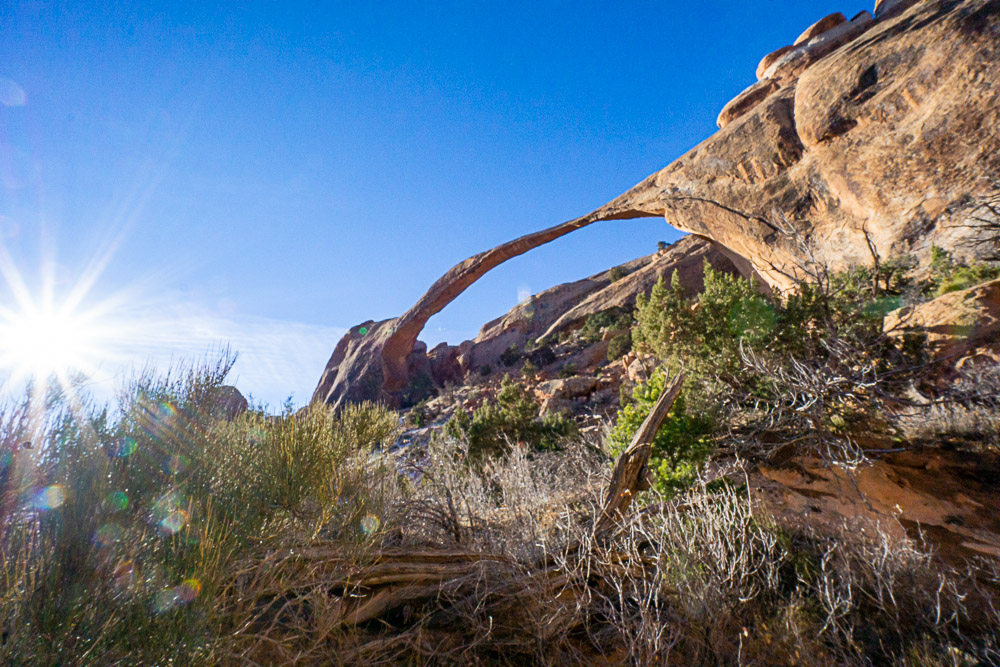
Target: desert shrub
(528, 368)
(619, 346)
(542, 356)
(947, 275)
(567, 370)
(120, 527)
(485, 370)
(617, 273)
(612, 319)
(681, 446)
(816, 363)
(418, 415)
(510, 356)
(661, 245)
(512, 419)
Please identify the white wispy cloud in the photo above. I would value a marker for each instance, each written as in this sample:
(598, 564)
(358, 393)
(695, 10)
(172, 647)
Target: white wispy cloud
(277, 358)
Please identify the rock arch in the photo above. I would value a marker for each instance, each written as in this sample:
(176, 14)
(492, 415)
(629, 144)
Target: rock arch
(835, 151)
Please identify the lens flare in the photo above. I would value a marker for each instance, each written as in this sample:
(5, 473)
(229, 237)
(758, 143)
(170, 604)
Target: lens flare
(168, 514)
(108, 534)
(369, 524)
(188, 591)
(116, 501)
(164, 601)
(174, 521)
(124, 448)
(50, 497)
(124, 575)
(176, 464)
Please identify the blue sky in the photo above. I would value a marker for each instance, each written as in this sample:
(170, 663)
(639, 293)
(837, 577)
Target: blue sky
(269, 173)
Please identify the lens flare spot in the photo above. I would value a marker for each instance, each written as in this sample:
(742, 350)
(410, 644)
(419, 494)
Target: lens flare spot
(117, 501)
(176, 464)
(124, 575)
(188, 591)
(11, 94)
(50, 497)
(363, 330)
(165, 600)
(108, 534)
(174, 521)
(167, 410)
(369, 524)
(125, 448)
(6, 458)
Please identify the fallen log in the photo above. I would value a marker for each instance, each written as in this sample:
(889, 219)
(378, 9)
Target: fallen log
(631, 472)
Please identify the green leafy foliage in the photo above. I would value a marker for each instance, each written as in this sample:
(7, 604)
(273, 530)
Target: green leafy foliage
(703, 336)
(815, 360)
(612, 319)
(947, 275)
(617, 273)
(511, 419)
(619, 346)
(542, 356)
(681, 446)
(510, 356)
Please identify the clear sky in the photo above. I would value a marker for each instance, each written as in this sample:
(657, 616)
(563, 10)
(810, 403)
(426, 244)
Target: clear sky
(268, 174)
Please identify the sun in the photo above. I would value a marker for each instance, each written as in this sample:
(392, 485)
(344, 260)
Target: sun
(40, 342)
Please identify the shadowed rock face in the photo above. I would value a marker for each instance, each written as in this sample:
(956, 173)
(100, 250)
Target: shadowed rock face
(876, 132)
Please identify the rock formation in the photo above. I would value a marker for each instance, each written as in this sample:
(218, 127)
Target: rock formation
(874, 136)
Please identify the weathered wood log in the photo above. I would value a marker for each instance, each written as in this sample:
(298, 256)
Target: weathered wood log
(631, 472)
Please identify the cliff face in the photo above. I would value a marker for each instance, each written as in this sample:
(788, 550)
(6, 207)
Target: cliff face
(864, 139)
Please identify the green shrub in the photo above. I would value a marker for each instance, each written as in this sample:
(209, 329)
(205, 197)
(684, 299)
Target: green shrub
(510, 356)
(612, 319)
(567, 371)
(947, 275)
(617, 273)
(661, 245)
(816, 362)
(542, 356)
(681, 446)
(511, 419)
(417, 416)
(619, 346)
(703, 338)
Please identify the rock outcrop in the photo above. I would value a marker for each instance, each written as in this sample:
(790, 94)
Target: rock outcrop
(956, 324)
(877, 135)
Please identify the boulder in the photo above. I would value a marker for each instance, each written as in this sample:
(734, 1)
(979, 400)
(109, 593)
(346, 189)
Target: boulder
(746, 101)
(956, 324)
(445, 365)
(229, 402)
(574, 387)
(819, 27)
(770, 59)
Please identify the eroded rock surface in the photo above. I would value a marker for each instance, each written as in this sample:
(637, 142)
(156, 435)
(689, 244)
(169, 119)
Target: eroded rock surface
(956, 324)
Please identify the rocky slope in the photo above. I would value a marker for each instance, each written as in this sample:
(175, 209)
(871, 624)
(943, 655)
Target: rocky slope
(862, 140)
